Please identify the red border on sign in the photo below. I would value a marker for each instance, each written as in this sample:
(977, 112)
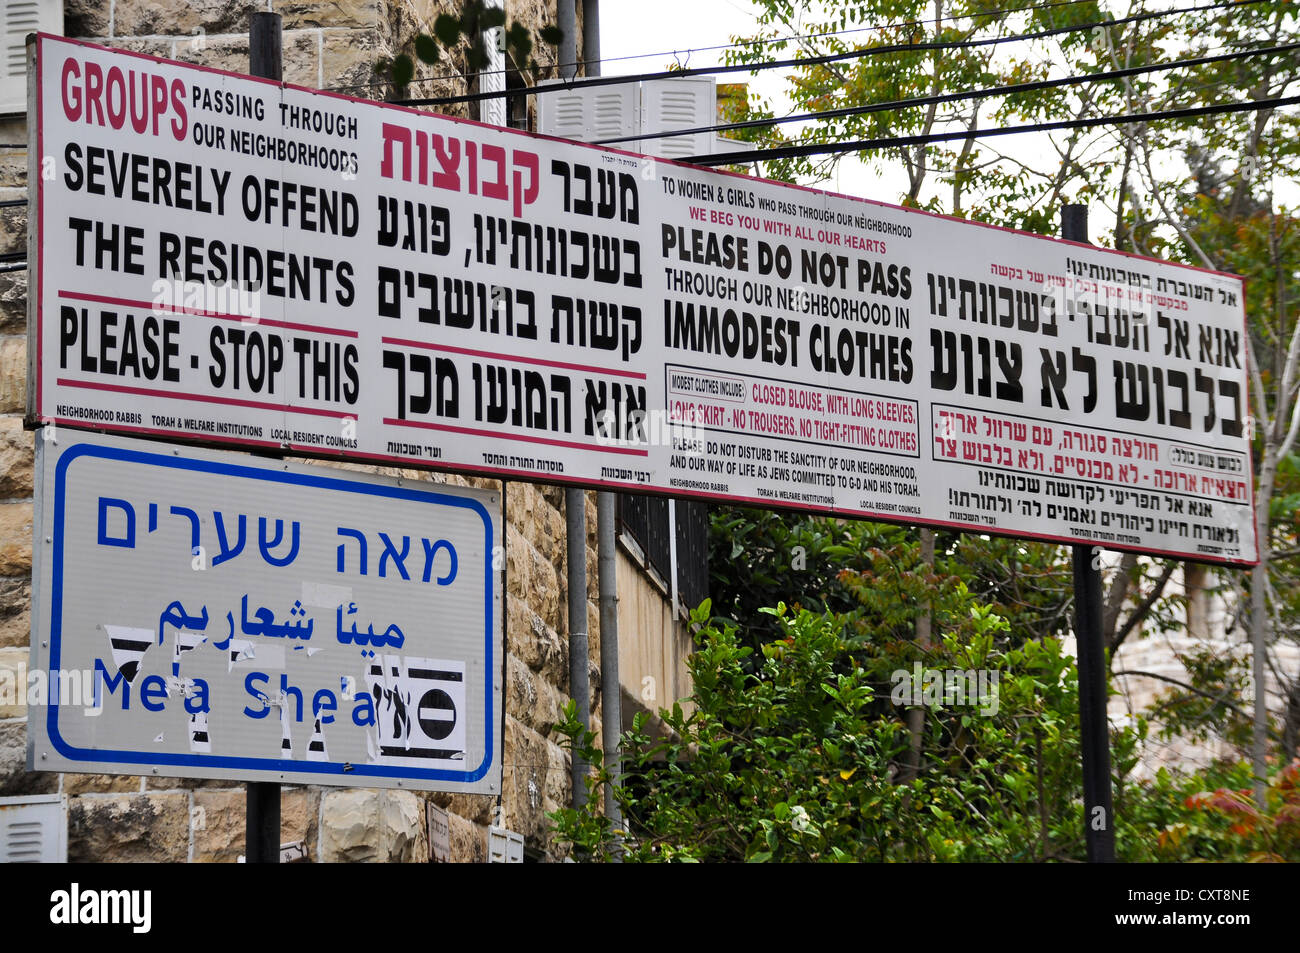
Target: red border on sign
(559, 478)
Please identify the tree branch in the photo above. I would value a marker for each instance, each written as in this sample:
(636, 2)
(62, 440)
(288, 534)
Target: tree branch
(1141, 611)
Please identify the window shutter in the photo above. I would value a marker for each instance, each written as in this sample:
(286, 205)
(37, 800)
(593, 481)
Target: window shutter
(20, 18)
(687, 103)
(601, 112)
(34, 830)
(505, 846)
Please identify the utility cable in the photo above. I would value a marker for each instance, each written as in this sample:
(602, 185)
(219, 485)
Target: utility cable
(757, 41)
(916, 101)
(889, 142)
(822, 60)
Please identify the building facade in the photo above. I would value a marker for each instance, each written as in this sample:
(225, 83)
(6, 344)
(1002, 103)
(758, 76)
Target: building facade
(333, 45)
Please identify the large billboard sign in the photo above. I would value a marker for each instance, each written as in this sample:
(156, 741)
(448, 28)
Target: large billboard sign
(233, 260)
(209, 614)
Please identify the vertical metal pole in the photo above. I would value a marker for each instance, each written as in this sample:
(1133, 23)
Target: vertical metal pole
(265, 46)
(575, 516)
(611, 688)
(591, 37)
(262, 805)
(262, 828)
(566, 19)
(1094, 728)
(611, 685)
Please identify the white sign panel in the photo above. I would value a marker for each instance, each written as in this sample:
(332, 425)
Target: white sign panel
(206, 614)
(233, 260)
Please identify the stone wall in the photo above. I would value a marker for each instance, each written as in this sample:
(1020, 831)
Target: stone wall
(1205, 629)
(329, 44)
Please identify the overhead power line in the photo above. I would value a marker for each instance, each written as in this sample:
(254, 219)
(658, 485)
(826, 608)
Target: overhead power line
(757, 41)
(828, 58)
(889, 142)
(916, 101)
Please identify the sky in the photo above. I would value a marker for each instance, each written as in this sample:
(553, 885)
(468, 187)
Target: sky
(631, 28)
(684, 25)
(627, 31)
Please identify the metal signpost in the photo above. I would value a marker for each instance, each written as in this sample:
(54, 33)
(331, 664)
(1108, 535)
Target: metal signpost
(1094, 725)
(262, 799)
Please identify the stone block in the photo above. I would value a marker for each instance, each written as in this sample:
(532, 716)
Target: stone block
(305, 14)
(74, 784)
(161, 17)
(13, 302)
(13, 374)
(162, 46)
(523, 779)
(15, 779)
(528, 637)
(13, 162)
(559, 786)
(468, 840)
(530, 698)
(154, 782)
(86, 18)
(15, 539)
(301, 59)
(545, 590)
(17, 457)
(13, 229)
(381, 826)
(15, 611)
(519, 564)
(13, 682)
(147, 828)
(477, 808)
(219, 824)
(348, 59)
(300, 817)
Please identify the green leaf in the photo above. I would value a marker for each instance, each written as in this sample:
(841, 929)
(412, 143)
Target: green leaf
(426, 49)
(447, 29)
(403, 70)
(520, 41)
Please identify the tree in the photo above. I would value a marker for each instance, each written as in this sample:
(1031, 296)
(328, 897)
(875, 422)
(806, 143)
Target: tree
(462, 38)
(1194, 191)
(791, 753)
(795, 758)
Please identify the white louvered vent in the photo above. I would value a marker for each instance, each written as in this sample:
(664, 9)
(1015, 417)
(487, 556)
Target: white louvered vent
(562, 113)
(34, 830)
(615, 113)
(688, 103)
(505, 846)
(20, 18)
(601, 112)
